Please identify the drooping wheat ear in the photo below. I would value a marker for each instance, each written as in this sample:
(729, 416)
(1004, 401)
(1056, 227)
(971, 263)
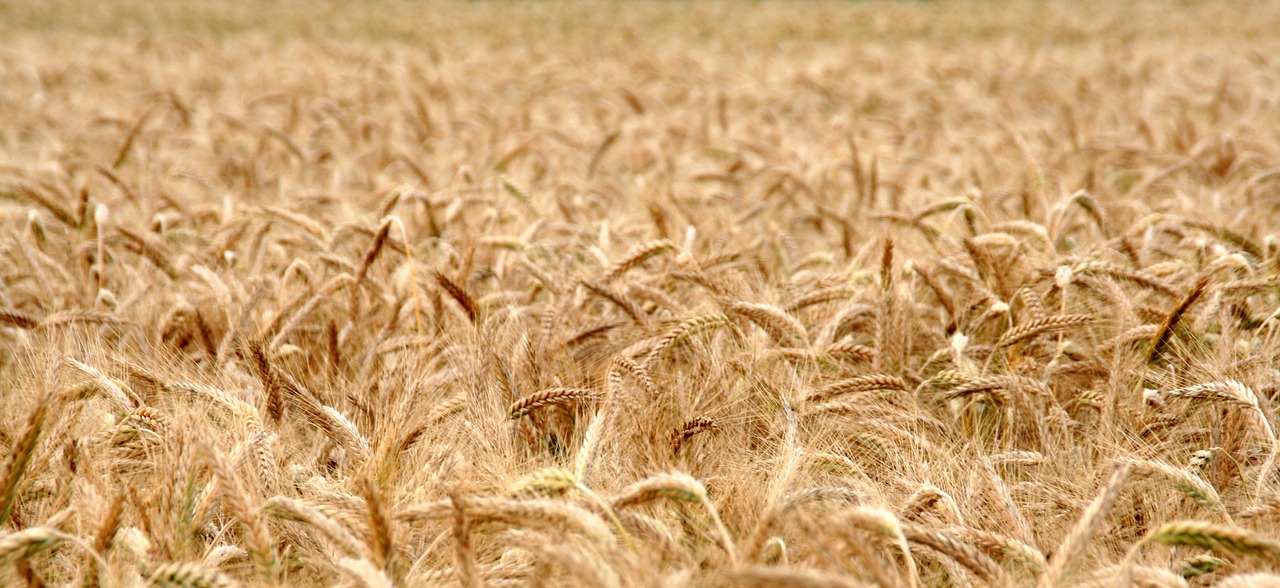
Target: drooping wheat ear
(1199, 565)
(121, 400)
(1174, 318)
(1017, 457)
(334, 424)
(1000, 492)
(1121, 273)
(449, 406)
(28, 542)
(344, 432)
(1234, 392)
(674, 485)
(638, 371)
(924, 499)
(782, 577)
(220, 555)
(247, 414)
(774, 552)
(272, 391)
(839, 494)
(867, 383)
(1191, 485)
(1002, 548)
(1215, 537)
(1254, 580)
(189, 575)
(1040, 326)
(544, 483)
(962, 553)
(642, 253)
(683, 330)
(549, 397)
(17, 318)
(822, 296)
(688, 430)
(998, 388)
(852, 352)
(1090, 522)
(370, 255)
(677, 486)
(783, 328)
(1269, 508)
(459, 295)
(1244, 288)
(882, 522)
(617, 298)
(290, 509)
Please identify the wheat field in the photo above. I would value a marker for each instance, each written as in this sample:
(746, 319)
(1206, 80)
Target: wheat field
(419, 293)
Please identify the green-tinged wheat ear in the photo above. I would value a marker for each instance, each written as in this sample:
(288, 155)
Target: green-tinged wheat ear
(1191, 485)
(1199, 565)
(543, 483)
(1218, 538)
(28, 542)
(677, 486)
